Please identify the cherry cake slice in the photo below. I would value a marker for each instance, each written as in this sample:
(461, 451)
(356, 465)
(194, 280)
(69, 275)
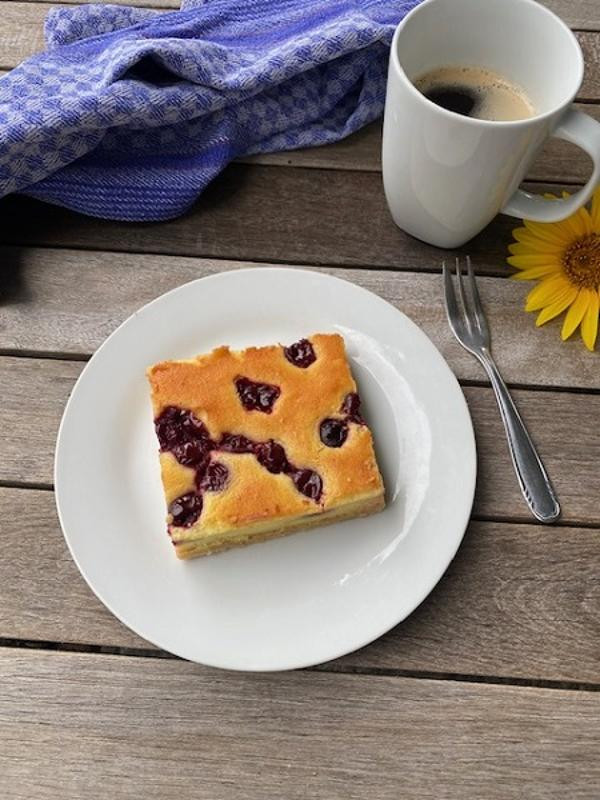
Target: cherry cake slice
(261, 442)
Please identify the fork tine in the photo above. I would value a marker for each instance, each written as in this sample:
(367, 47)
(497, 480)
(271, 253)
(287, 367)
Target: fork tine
(480, 317)
(452, 311)
(461, 292)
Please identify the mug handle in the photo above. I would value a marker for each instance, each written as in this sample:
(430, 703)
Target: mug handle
(579, 129)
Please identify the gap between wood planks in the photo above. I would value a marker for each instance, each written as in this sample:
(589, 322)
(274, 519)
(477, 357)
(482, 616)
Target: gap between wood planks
(134, 652)
(250, 262)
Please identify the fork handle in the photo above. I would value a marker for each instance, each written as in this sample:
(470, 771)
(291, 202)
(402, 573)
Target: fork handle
(533, 479)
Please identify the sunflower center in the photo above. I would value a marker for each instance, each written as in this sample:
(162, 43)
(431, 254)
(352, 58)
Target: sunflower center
(581, 262)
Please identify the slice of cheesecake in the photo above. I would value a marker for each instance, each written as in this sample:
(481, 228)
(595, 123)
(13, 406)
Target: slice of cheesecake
(262, 442)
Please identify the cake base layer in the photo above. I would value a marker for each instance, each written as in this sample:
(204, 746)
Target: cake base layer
(249, 535)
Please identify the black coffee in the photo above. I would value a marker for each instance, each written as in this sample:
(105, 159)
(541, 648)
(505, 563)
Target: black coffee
(475, 92)
(453, 98)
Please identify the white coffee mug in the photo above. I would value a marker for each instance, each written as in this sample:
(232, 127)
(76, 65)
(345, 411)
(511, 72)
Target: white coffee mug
(446, 175)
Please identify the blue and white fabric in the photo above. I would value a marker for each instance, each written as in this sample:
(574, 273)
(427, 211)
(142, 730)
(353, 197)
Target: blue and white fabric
(130, 113)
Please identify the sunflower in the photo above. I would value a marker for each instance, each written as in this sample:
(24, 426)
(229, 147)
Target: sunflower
(565, 258)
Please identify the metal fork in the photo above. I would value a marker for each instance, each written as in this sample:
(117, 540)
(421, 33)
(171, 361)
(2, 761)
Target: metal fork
(468, 323)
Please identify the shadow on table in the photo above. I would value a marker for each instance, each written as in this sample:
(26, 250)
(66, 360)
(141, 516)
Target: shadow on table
(13, 286)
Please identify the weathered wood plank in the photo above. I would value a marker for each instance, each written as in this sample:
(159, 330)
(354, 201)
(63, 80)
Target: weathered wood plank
(259, 213)
(590, 44)
(560, 426)
(42, 594)
(584, 14)
(76, 724)
(34, 391)
(68, 301)
(559, 423)
(22, 31)
(360, 151)
(518, 601)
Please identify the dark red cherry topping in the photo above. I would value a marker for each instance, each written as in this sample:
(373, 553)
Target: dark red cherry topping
(192, 454)
(257, 396)
(333, 432)
(272, 456)
(186, 510)
(300, 354)
(308, 482)
(175, 426)
(351, 407)
(214, 478)
(235, 443)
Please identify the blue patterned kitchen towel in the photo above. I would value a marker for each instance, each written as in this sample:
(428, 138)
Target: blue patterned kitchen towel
(130, 113)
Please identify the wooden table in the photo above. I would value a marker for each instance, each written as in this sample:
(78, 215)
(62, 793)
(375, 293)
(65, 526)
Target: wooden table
(487, 691)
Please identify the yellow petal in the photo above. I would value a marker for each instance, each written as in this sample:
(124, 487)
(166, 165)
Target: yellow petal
(575, 313)
(546, 292)
(533, 245)
(522, 234)
(525, 236)
(578, 224)
(519, 249)
(535, 260)
(595, 214)
(589, 325)
(548, 231)
(569, 230)
(557, 307)
(535, 272)
(585, 219)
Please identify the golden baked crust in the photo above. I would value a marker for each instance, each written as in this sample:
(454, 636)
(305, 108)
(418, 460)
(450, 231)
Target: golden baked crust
(255, 503)
(203, 546)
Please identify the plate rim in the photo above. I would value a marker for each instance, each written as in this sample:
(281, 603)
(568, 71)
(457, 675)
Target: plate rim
(374, 633)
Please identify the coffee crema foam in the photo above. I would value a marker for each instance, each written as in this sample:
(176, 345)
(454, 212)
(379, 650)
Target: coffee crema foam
(475, 92)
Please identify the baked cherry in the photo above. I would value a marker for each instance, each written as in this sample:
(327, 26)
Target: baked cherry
(351, 407)
(300, 354)
(235, 443)
(333, 432)
(214, 478)
(192, 454)
(175, 426)
(272, 456)
(257, 396)
(308, 482)
(186, 510)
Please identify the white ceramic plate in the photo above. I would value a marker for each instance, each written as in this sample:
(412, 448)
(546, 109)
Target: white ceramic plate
(294, 601)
